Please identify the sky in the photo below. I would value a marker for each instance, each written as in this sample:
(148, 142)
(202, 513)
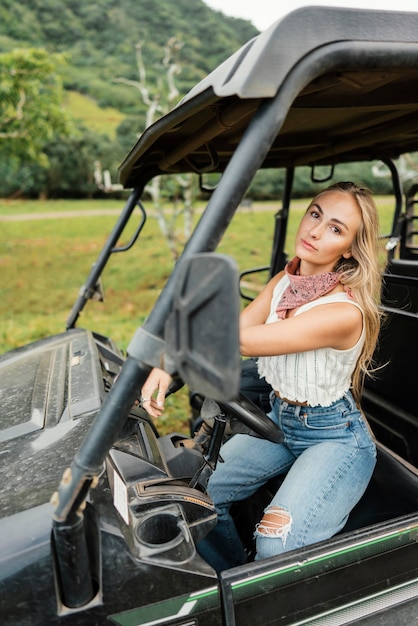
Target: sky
(262, 13)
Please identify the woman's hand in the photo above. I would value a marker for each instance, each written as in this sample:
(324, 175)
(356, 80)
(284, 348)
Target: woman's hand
(157, 380)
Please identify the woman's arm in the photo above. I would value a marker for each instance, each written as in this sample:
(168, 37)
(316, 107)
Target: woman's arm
(336, 325)
(258, 310)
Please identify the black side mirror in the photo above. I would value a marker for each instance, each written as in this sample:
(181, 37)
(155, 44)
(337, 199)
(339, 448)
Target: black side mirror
(202, 331)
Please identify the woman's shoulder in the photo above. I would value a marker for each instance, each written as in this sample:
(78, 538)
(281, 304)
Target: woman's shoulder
(338, 296)
(278, 284)
(279, 279)
(339, 317)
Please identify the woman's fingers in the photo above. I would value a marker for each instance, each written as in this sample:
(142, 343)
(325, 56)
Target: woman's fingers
(152, 408)
(158, 380)
(161, 396)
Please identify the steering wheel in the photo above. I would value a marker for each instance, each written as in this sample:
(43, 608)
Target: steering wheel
(252, 416)
(242, 409)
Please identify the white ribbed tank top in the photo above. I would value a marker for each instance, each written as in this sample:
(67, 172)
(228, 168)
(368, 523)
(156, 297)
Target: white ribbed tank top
(318, 377)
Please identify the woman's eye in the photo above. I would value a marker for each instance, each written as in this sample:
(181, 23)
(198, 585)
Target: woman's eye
(335, 229)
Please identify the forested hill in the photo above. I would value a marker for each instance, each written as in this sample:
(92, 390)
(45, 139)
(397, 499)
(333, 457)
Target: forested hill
(100, 39)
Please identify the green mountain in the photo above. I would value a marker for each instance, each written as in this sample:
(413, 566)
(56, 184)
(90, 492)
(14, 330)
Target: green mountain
(100, 40)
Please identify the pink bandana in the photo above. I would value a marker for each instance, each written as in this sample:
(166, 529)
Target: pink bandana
(304, 289)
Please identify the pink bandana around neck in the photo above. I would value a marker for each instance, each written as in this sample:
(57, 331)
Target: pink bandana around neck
(303, 289)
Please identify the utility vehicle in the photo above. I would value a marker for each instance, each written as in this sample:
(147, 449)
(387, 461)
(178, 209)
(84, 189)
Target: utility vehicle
(116, 543)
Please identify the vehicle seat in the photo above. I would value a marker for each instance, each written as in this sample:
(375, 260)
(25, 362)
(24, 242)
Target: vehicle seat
(392, 492)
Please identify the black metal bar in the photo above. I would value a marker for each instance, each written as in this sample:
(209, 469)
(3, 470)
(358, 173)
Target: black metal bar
(212, 455)
(136, 234)
(201, 477)
(88, 288)
(72, 563)
(278, 257)
(213, 223)
(397, 222)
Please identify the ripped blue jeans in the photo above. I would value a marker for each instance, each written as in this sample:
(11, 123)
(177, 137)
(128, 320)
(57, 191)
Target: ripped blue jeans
(328, 455)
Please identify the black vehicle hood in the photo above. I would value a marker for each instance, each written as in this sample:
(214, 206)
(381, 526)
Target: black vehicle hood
(50, 391)
(348, 83)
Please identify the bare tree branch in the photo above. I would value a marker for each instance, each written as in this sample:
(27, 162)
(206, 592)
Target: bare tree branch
(159, 101)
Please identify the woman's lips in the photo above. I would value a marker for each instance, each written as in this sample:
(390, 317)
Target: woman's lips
(307, 245)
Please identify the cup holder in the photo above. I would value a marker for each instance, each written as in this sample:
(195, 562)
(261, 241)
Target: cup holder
(159, 530)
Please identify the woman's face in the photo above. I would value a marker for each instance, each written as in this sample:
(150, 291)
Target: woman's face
(327, 231)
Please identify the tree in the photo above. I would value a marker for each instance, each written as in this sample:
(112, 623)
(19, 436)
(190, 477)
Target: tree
(159, 100)
(31, 111)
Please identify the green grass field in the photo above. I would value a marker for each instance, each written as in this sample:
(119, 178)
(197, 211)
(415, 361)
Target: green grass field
(47, 250)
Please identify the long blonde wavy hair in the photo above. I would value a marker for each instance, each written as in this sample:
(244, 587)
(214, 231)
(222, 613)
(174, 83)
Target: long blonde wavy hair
(361, 274)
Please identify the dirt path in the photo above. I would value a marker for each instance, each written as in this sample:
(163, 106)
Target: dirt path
(53, 215)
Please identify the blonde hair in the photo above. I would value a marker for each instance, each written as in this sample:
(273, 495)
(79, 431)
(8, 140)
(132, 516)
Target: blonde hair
(361, 274)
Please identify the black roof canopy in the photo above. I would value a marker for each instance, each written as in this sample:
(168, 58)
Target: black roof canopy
(346, 86)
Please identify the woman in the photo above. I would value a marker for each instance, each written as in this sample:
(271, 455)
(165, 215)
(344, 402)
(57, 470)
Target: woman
(313, 329)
